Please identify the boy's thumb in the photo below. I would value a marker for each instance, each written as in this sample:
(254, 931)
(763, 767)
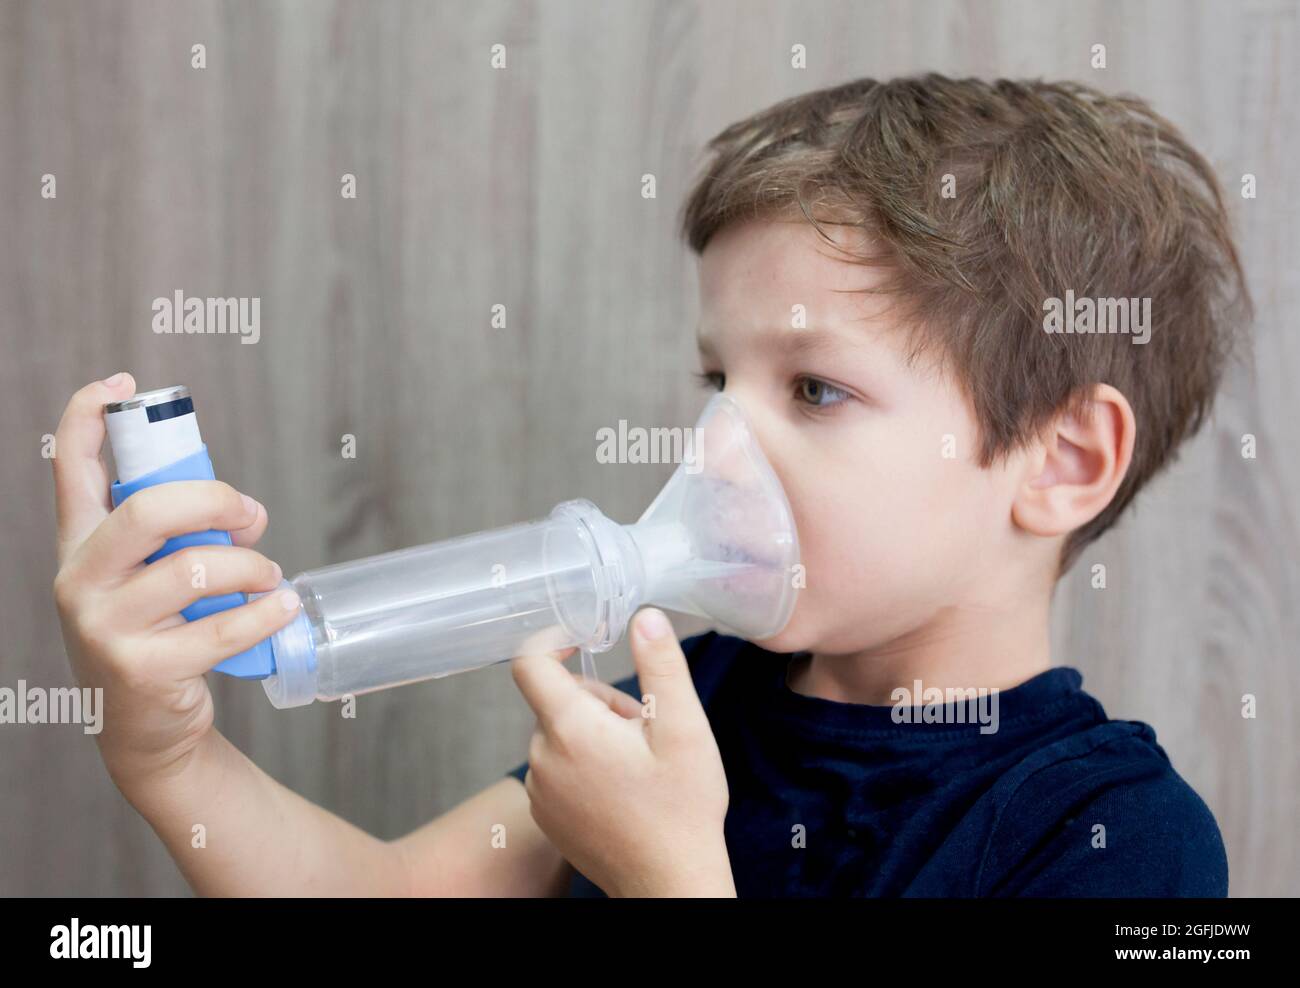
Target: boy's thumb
(663, 673)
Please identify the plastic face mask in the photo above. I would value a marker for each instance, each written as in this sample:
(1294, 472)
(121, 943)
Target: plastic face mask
(719, 540)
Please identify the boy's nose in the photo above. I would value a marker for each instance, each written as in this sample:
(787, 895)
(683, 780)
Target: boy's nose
(726, 449)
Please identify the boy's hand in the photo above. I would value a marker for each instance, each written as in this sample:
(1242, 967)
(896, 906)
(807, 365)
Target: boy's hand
(121, 619)
(634, 797)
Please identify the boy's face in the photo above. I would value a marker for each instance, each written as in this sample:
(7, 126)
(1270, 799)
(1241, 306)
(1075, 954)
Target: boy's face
(898, 525)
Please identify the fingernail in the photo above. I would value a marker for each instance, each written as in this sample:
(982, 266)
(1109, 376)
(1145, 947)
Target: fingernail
(278, 572)
(115, 380)
(249, 505)
(289, 600)
(652, 624)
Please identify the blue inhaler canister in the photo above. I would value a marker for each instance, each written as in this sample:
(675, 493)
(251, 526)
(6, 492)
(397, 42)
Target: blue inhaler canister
(155, 440)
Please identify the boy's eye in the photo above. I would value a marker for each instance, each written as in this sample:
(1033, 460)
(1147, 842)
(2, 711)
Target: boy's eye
(816, 392)
(712, 379)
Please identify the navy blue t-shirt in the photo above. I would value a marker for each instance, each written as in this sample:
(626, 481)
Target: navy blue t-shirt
(838, 799)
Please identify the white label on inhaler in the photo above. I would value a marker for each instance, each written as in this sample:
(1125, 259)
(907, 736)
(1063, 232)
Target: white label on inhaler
(141, 447)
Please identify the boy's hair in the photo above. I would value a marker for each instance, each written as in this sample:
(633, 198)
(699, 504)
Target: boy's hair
(1057, 187)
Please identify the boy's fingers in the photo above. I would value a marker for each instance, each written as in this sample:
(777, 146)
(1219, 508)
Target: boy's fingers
(80, 480)
(194, 648)
(247, 537)
(172, 583)
(545, 684)
(140, 525)
(613, 697)
(662, 671)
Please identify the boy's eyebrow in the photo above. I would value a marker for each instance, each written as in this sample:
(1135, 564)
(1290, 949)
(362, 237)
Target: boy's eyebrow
(788, 340)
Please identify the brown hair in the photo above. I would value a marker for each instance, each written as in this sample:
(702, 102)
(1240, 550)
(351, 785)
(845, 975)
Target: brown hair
(1058, 187)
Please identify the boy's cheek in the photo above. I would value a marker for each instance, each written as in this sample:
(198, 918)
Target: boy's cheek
(874, 568)
(881, 535)
(851, 594)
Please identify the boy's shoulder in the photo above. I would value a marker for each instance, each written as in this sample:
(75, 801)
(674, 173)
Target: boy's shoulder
(1096, 810)
(1101, 813)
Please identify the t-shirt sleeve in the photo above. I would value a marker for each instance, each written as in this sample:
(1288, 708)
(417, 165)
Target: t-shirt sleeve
(519, 772)
(690, 646)
(1152, 838)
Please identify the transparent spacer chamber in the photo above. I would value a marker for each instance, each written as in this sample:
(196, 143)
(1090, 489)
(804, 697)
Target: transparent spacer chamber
(456, 605)
(718, 541)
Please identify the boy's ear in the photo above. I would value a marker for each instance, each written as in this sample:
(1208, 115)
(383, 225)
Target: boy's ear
(1078, 466)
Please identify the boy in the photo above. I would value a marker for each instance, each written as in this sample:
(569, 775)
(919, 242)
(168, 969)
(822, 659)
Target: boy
(883, 272)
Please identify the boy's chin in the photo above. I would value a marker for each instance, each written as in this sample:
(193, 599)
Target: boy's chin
(791, 638)
(807, 631)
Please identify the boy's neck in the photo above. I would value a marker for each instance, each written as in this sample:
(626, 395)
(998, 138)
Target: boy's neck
(957, 649)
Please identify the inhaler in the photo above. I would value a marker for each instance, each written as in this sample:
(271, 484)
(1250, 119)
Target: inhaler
(717, 542)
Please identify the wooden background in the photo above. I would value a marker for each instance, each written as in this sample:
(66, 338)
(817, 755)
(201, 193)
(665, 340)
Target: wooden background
(522, 187)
